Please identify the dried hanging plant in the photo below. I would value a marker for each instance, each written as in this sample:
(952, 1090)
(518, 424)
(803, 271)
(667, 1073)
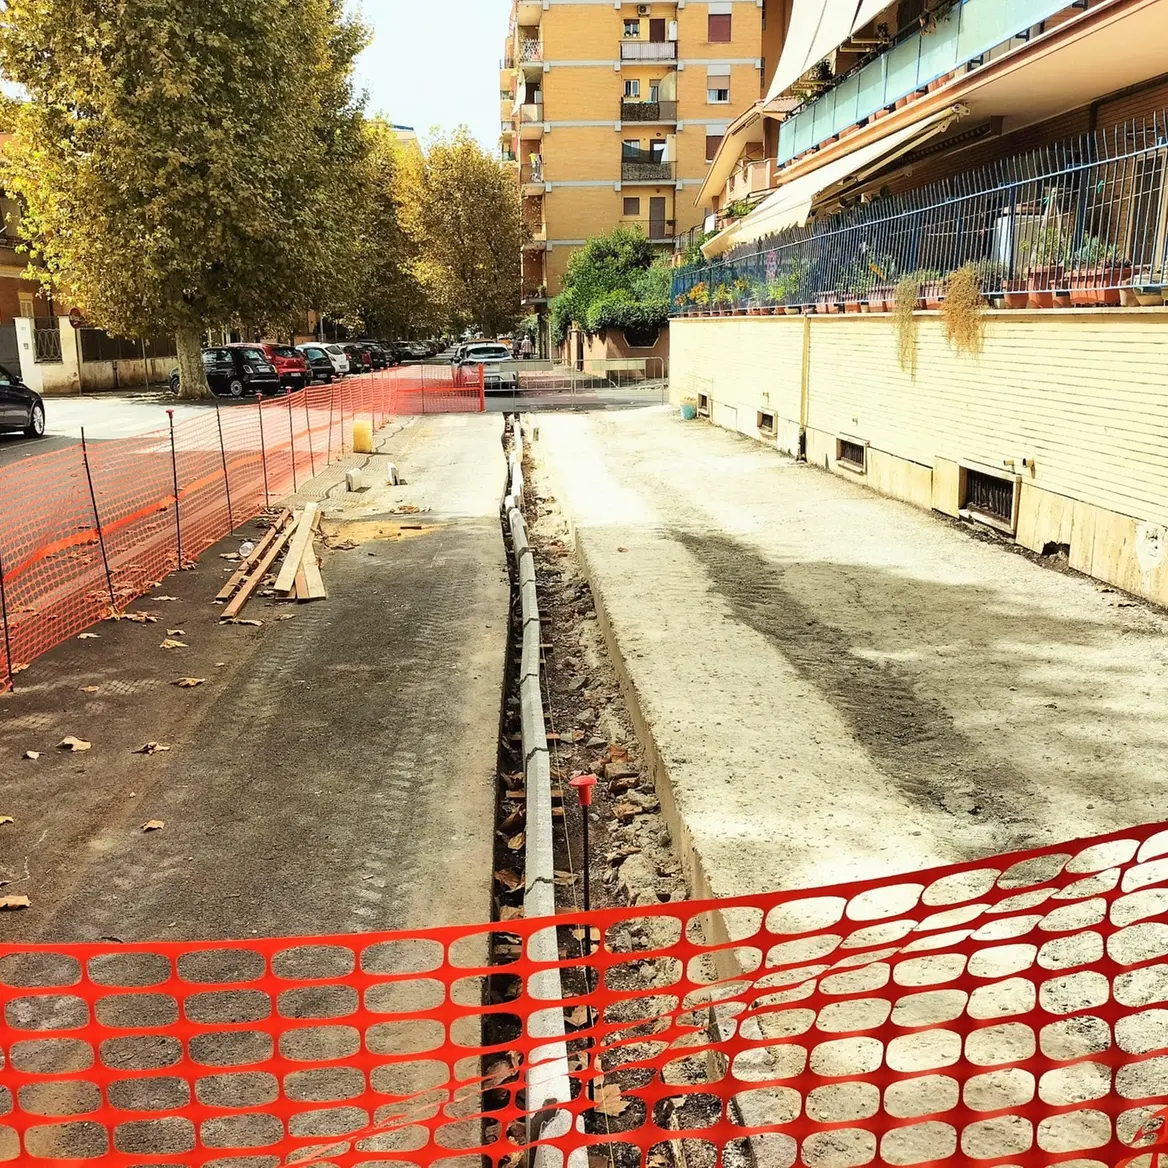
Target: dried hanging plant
(963, 311)
(904, 321)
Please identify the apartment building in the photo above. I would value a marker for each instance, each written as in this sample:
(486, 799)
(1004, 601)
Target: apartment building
(611, 113)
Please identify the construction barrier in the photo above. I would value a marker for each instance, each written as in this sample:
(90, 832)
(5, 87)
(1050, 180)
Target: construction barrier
(86, 530)
(1010, 1011)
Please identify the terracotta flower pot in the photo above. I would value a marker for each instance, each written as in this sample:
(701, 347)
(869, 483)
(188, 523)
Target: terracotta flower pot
(851, 304)
(932, 294)
(1041, 283)
(865, 306)
(1128, 298)
(1015, 294)
(1149, 295)
(1095, 286)
(791, 309)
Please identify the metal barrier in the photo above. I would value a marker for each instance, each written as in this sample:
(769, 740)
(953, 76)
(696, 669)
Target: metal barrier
(1006, 1011)
(547, 385)
(86, 530)
(1080, 221)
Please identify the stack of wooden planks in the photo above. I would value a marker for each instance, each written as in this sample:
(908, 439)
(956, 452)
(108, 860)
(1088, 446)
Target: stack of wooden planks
(299, 576)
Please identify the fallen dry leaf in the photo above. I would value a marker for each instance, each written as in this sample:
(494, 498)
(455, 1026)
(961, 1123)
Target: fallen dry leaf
(286, 616)
(511, 912)
(176, 632)
(620, 549)
(88, 637)
(516, 841)
(89, 689)
(150, 748)
(170, 644)
(158, 598)
(13, 903)
(139, 618)
(6, 819)
(577, 1017)
(33, 754)
(255, 624)
(609, 1101)
(73, 744)
(510, 879)
(154, 825)
(565, 877)
(579, 934)
(188, 682)
(18, 669)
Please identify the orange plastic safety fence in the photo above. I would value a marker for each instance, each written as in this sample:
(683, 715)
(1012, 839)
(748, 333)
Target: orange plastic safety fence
(1009, 1011)
(57, 510)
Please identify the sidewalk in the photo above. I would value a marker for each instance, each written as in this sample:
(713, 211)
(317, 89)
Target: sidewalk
(836, 685)
(335, 768)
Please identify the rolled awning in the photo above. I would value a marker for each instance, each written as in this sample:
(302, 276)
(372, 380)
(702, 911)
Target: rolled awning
(817, 28)
(790, 205)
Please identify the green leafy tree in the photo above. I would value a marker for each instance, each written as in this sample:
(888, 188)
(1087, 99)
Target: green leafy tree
(185, 163)
(462, 208)
(617, 281)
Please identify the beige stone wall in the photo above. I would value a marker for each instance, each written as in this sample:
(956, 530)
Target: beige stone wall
(1074, 405)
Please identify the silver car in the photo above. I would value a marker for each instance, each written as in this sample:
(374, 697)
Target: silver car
(500, 373)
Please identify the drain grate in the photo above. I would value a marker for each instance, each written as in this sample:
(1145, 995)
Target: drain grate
(854, 454)
(990, 496)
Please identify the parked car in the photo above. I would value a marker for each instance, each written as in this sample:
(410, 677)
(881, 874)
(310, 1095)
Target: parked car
(360, 361)
(375, 354)
(500, 374)
(392, 356)
(290, 365)
(320, 365)
(236, 370)
(339, 358)
(21, 408)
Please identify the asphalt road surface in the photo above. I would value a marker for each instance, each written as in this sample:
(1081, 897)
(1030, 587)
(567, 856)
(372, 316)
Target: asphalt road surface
(333, 772)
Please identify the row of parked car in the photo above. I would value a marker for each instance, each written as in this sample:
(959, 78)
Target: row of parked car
(243, 368)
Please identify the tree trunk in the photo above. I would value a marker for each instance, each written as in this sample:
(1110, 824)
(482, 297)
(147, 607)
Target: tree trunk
(192, 374)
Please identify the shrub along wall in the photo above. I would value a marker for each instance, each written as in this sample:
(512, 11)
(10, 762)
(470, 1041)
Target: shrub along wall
(1056, 432)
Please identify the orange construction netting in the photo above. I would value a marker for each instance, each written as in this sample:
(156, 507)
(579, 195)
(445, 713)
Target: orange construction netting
(86, 530)
(1009, 1011)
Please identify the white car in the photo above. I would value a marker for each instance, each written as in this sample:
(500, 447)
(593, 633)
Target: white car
(500, 372)
(337, 356)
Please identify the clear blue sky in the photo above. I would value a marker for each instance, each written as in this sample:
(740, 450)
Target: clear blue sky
(435, 63)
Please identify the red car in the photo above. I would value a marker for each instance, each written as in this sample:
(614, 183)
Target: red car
(290, 365)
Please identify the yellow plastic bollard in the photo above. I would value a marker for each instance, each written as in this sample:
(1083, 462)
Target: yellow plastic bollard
(362, 437)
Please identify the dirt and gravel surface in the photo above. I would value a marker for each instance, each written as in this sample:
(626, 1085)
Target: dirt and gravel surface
(835, 685)
(334, 766)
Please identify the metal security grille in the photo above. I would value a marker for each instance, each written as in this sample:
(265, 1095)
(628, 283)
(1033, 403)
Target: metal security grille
(989, 495)
(852, 453)
(98, 345)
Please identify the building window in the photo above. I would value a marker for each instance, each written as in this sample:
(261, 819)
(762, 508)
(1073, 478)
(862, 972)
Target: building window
(633, 30)
(654, 91)
(718, 89)
(713, 141)
(632, 89)
(631, 150)
(632, 206)
(718, 29)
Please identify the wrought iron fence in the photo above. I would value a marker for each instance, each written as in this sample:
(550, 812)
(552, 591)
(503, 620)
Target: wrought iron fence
(47, 340)
(98, 345)
(1081, 222)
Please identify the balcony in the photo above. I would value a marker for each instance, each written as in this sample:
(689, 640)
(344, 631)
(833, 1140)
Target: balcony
(633, 50)
(656, 230)
(530, 53)
(534, 294)
(646, 172)
(648, 111)
(531, 176)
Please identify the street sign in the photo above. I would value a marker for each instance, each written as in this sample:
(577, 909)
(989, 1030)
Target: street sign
(76, 317)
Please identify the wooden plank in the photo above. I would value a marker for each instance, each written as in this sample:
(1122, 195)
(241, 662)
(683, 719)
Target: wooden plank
(313, 578)
(261, 570)
(300, 588)
(303, 533)
(238, 577)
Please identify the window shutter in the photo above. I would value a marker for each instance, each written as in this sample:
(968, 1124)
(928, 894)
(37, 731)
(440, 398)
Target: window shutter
(719, 29)
(713, 141)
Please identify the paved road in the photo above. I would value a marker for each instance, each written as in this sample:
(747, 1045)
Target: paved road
(840, 685)
(335, 770)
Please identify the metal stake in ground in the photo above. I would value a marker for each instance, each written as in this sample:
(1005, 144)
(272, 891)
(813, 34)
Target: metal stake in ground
(583, 785)
(226, 478)
(4, 622)
(109, 580)
(292, 441)
(174, 475)
(308, 431)
(263, 449)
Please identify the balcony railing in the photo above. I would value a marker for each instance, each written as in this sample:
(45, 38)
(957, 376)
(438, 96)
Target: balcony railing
(531, 172)
(963, 35)
(648, 111)
(530, 52)
(657, 230)
(631, 50)
(647, 172)
(1079, 223)
(531, 112)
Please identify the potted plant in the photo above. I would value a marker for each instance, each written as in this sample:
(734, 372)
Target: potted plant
(932, 284)
(775, 295)
(721, 300)
(1044, 265)
(740, 290)
(1097, 273)
(700, 295)
(827, 302)
(757, 304)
